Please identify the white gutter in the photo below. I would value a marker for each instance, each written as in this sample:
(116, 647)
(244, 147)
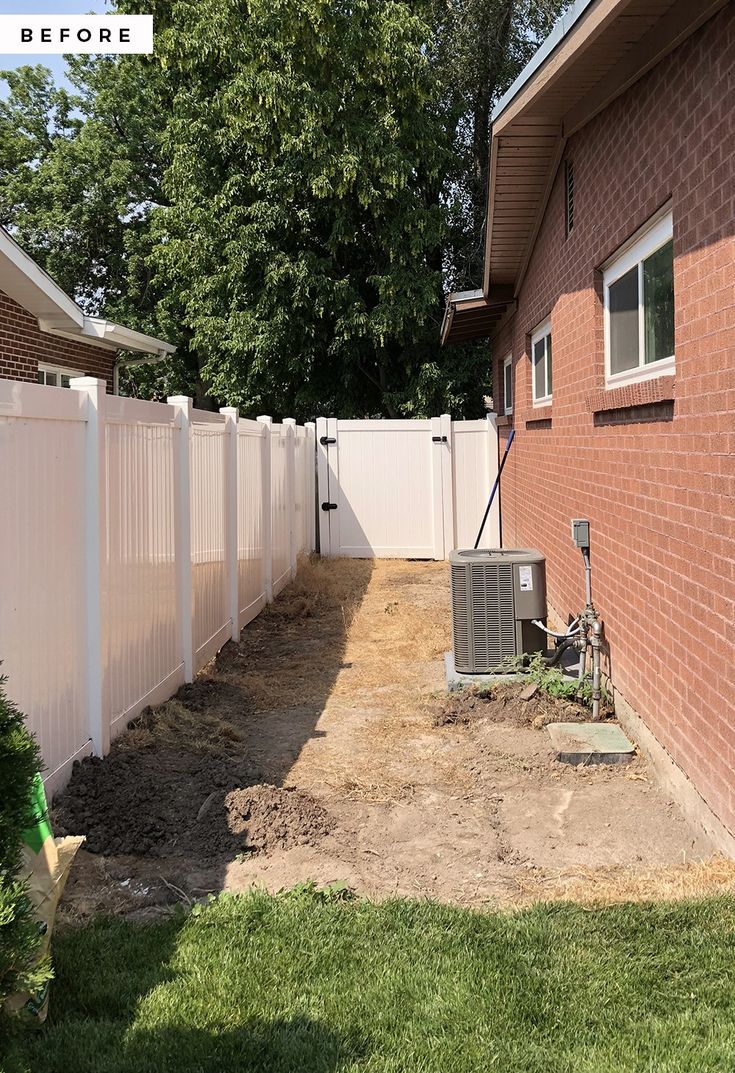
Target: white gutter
(115, 335)
(57, 314)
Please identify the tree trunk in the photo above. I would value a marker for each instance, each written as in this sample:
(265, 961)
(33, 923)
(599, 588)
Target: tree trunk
(489, 69)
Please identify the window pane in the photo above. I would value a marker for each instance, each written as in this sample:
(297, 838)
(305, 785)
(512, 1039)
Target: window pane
(51, 379)
(548, 364)
(658, 303)
(40, 376)
(65, 380)
(539, 378)
(508, 393)
(623, 302)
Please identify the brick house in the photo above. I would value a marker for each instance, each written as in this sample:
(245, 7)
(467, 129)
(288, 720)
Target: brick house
(610, 257)
(46, 338)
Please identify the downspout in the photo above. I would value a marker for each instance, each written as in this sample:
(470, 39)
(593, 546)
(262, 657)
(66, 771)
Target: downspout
(129, 363)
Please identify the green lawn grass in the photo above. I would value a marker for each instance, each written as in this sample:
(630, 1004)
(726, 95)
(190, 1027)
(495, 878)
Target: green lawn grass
(300, 984)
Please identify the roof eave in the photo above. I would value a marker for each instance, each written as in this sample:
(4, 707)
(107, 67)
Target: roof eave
(57, 314)
(468, 317)
(120, 338)
(558, 32)
(620, 41)
(30, 286)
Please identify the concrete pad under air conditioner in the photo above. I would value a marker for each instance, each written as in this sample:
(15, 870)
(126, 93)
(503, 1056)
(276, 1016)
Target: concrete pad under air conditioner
(590, 743)
(456, 680)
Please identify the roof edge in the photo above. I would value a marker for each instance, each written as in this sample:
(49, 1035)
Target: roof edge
(56, 312)
(20, 269)
(558, 32)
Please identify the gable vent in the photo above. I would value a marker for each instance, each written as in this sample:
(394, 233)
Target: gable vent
(569, 176)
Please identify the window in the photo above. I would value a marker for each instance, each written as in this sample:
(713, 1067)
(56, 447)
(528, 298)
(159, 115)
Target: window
(55, 376)
(639, 306)
(569, 177)
(541, 362)
(508, 385)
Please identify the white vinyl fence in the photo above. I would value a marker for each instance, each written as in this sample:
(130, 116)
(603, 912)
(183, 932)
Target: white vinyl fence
(137, 538)
(412, 489)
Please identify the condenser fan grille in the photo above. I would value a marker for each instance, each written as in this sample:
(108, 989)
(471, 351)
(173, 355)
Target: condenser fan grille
(483, 615)
(461, 617)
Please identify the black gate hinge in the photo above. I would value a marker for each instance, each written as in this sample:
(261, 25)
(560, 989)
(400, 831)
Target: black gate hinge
(438, 439)
(326, 440)
(329, 506)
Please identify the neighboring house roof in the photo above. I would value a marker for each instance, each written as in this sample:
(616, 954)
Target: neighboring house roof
(470, 314)
(596, 51)
(26, 283)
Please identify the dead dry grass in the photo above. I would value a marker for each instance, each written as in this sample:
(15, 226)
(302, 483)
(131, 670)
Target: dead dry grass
(313, 616)
(178, 724)
(321, 584)
(393, 627)
(613, 886)
(393, 638)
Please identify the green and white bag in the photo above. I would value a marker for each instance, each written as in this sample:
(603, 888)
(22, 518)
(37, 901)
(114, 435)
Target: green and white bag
(45, 865)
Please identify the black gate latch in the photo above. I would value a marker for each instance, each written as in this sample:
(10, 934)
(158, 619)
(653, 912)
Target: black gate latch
(326, 440)
(438, 439)
(329, 506)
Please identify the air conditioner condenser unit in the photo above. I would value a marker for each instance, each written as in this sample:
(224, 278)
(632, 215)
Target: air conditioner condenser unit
(496, 593)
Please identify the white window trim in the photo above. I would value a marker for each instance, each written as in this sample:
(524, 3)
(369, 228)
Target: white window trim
(60, 370)
(508, 364)
(539, 333)
(651, 237)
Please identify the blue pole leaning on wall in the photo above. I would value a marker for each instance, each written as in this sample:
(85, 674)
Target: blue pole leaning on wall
(495, 486)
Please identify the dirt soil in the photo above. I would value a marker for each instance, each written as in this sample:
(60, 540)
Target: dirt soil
(323, 747)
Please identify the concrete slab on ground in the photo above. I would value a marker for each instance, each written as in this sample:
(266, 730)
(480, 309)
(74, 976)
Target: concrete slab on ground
(590, 743)
(456, 680)
(568, 665)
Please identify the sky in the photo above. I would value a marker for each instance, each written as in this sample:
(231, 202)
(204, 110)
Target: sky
(44, 7)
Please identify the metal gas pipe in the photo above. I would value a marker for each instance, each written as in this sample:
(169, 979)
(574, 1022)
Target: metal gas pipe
(586, 630)
(590, 635)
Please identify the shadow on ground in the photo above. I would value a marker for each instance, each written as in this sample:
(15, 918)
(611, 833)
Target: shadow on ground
(161, 793)
(123, 1002)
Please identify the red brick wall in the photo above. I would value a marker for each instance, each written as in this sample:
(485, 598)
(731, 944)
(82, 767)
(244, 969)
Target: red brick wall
(657, 478)
(23, 345)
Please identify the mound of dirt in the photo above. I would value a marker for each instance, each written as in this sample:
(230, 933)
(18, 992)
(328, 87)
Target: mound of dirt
(464, 707)
(263, 818)
(504, 703)
(140, 802)
(196, 806)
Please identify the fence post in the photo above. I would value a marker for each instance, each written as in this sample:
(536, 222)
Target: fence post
(182, 532)
(232, 417)
(310, 505)
(290, 426)
(436, 464)
(267, 510)
(493, 528)
(449, 490)
(98, 719)
(322, 491)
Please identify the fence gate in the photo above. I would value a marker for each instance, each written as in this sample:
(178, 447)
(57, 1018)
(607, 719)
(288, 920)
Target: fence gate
(411, 489)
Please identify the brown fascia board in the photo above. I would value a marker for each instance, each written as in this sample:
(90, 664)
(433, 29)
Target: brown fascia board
(671, 30)
(473, 318)
(581, 35)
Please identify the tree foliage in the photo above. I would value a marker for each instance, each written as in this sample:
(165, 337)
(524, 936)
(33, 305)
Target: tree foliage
(285, 190)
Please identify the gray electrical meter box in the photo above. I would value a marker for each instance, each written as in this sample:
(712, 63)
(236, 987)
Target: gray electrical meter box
(581, 532)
